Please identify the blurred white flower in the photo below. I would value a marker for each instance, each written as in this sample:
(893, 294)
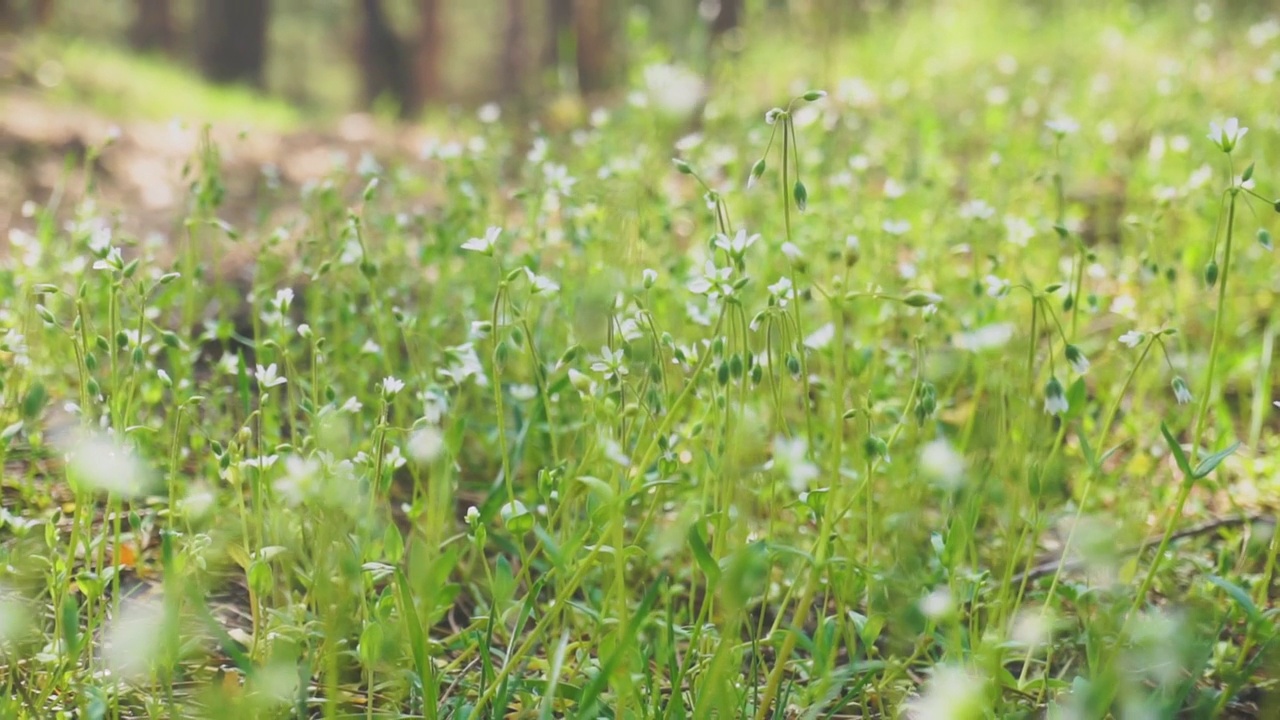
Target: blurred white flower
(98, 462)
(1132, 339)
(1063, 126)
(484, 245)
(1227, 135)
(950, 694)
(131, 643)
(942, 465)
(426, 444)
(673, 90)
(791, 458)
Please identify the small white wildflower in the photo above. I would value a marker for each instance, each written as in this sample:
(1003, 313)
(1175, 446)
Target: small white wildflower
(976, 210)
(714, 281)
(792, 252)
(1018, 231)
(1132, 339)
(390, 386)
(791, 458)
(896, 227)
(489, 113)
(950, 694)
(649, 277)
(1063, 126)
(1181, 391)
(893, 189)
(98, 462)
(612, 363)
(394, 459)
(473, 516)
(113, 261)
(1227, 135)
(352, 405)
(484, 245)
(942, 465)
(1055, 400)
(1077, 359)
(541, 285)
(937, 605)
(304, 331)
(736, 246)
(269, 376)
(426, 444)
(821, 337)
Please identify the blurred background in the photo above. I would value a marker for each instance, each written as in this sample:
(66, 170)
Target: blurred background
(396, 57)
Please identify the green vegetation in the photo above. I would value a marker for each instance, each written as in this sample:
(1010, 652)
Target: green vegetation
(944, 394)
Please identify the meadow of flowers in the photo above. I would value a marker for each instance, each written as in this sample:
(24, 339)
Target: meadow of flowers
(930, 379)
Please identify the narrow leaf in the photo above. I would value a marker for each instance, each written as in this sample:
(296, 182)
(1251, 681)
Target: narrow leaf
(1208, 464)
(1178, 455)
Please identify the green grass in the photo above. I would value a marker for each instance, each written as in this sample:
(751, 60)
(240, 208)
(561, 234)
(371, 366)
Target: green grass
(921, 449)
(114, 82)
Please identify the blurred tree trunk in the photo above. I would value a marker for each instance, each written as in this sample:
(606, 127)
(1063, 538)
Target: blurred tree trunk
(592, 47)
(428, 54)
(8, 19)
(384, 60)
(233, 40)
(152, 27)
(513, 53)
(559, 27)
(44, 12)
(729, 17)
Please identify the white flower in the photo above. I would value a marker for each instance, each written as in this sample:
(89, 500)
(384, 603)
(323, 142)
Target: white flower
(284, 298)
(1227, 135)
(1018, 231)
(736, 246)
(782, 290)
(1077, 359)
(1055, 400)
(304, 331)
(541, 285)
(426, 444)
(391, 386)
(997, 287)
(893, 189)
(352, 405)
(113, 261)
(985, 337)
(99, 462)
(484, 245)
(489, 113)
(1132, 339)
(977, 210)
(942, 465)
(268, 377)
(714, 281)
(1063, 126)
(951, 694)
(896, 227)
(821, 337)
(1181, 391)
(611, 363)
(394, 459)
(937, 605)
(673, 90)
(649, 277)
(791, 251)
(473, 516)
(791, 458)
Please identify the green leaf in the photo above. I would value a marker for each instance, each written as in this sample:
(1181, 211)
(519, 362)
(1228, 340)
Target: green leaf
(35, 400)
(1208, 464)
(1248, 173)
(1237, 593)
(1178, 455)
(702, 554)
(1087, 450)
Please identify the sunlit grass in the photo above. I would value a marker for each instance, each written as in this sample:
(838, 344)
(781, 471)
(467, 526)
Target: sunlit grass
(946, 393)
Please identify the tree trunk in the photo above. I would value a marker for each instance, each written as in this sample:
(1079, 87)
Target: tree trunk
(384, 60)
(728, 18)
(559, 27)
(233, 40)
(8, 18)
(428, 53)
(592, 52)
(152, 27)
(513, 52)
